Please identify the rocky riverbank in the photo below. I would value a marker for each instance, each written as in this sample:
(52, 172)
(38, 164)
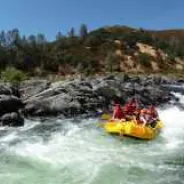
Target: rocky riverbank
(44, 99)
(10, 106)
(84, 96)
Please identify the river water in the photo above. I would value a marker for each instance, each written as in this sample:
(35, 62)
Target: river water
(79, 152)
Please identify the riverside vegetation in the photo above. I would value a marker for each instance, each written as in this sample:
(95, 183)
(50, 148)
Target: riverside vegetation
(107, 49)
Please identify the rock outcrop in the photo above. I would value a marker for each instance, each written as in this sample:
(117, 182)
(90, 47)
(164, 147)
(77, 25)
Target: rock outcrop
(10, 106)
(80, 96)
(33, 87)
(40, 98)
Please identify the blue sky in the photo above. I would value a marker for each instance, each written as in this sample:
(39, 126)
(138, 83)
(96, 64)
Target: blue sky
(51, 16)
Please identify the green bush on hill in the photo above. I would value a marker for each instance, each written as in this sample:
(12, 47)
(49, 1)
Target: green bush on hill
(89, 51)
(112, 63)
(11, 74)
(145, 59)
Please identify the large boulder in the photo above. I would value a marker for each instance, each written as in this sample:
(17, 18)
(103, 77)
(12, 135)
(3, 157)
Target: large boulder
(53, 105)
(30, 88)
(8, 89)
(12, 119)
(10, 104)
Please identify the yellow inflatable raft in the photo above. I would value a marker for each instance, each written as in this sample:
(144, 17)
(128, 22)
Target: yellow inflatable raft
(130, 128)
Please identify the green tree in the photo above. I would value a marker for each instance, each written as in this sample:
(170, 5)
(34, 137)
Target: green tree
(40, 39)
(112, 62)
(71, 33)
(32, 39)
(83, 31)
(59, 36)
(3, 58)
(2, 38)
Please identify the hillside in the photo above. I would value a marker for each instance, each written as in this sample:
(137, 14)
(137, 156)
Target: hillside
(107, 49)
(141, 50)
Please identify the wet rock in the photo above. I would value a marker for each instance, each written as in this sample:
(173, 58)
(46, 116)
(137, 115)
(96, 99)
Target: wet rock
(173, 88)
(12, 119)
(10, 104)
(8, 89)
(180, 81)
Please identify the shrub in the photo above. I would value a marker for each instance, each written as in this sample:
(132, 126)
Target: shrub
(13, 75)
(112, 62)
(145, 59)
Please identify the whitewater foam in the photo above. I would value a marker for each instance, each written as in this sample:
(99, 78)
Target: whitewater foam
(85, 154)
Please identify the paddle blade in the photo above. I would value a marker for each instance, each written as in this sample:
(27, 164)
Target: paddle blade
(105, 116)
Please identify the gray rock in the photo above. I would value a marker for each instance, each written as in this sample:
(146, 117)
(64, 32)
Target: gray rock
(33, 87)
(10, 104)
(180, 81)
(81, 96)
(12, 119)
(8, 89)
(107, 92)
(174, 88)
(52, 106)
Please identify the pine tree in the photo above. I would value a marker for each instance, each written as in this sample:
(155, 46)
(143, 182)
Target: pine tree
(59, 36)
(71, 33)
(83, 31)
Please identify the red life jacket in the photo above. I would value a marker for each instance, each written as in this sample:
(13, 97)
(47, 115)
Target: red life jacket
(130, 108)
(118, 113)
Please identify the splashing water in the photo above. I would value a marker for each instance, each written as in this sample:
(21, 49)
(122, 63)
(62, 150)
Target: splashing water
(66, 152)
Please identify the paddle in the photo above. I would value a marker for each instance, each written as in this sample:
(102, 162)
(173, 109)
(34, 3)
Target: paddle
(105, 116)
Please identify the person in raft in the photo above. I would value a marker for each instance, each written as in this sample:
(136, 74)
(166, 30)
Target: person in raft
(149, 116)
(118, 113)
(154, 117)
(131, 109)
(144, 116)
